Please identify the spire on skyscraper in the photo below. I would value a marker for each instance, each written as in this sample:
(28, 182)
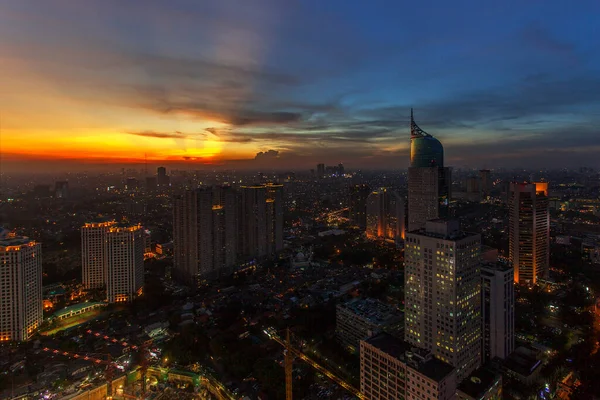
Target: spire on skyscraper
(415, 131)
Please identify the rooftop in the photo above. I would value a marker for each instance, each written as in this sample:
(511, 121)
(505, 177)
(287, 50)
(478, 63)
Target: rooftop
(373, 310)
(522, 361)
(443, 228)
(75, 308)
(502, 266)
(9, 239)
(417, 358)
(479, 382)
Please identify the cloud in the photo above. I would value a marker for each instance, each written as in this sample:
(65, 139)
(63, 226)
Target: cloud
(267, 155)
(160, 135)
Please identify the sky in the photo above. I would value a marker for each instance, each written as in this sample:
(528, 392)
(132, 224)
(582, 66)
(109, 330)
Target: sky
(291, 83)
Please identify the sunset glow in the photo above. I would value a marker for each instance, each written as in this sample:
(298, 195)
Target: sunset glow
(220, 83)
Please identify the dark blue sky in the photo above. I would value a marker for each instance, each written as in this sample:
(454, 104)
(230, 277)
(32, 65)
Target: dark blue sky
(500, 83)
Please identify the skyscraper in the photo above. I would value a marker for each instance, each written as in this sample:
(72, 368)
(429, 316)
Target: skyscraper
(393, 369)
(357, 204)
(486, 183)
(385, 215)
(61, 190)
(162, 179)
(112, 257)
(205, 229)
(497, 310)
(93, 254)
(320, 171)
(442, 293)
(261, 220)
(274, 218)
(428, 181)
(125, 246)
(529, 231)
(20, 287)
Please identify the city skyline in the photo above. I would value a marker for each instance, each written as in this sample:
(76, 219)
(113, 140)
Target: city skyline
(260, 86)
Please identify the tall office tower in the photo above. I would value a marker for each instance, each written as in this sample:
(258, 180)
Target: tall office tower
(376, 209)
(162, 179)
(20, 287)
(61, 190)
(94, 257)
(443, 293)
(529, 231)
(357, 204)
(396, 223)
(486, 183)
(385, 215)
(125, 262)
(204, 233)
(428, 181)
(320, 171)
(392, 369)
(341, 169)
(497, 310)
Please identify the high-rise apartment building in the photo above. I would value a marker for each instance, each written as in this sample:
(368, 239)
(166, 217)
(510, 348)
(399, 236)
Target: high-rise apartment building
(428, 181)
(320, 171)
(94, 260)
(20, 287)
(205, 227)
(357, 204)
(529, 231)
(162, 179)
(392, 369)
(112, 258)
(497, 310)
(125, 245)
(61, 190)
(442, 293)
(385, 215)
(261, 220)
(486, 183)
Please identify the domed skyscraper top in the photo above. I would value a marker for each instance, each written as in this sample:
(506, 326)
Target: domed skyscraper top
(425, 150)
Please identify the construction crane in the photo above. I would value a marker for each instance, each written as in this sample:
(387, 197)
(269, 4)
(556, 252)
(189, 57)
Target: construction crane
(291, 353)
(142, 353)
(110, 364)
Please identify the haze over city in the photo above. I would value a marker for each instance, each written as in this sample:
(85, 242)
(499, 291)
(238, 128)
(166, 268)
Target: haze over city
(281, 84)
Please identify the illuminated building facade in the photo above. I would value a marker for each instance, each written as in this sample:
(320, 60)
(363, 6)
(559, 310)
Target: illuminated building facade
(428, 181)
(392, 369)
(112, 258)
(442, 293)
(20, 287)
(357, 204)
(125, 245)
(385, 215)
(93, 254)
(497, 310)
(529, 231)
